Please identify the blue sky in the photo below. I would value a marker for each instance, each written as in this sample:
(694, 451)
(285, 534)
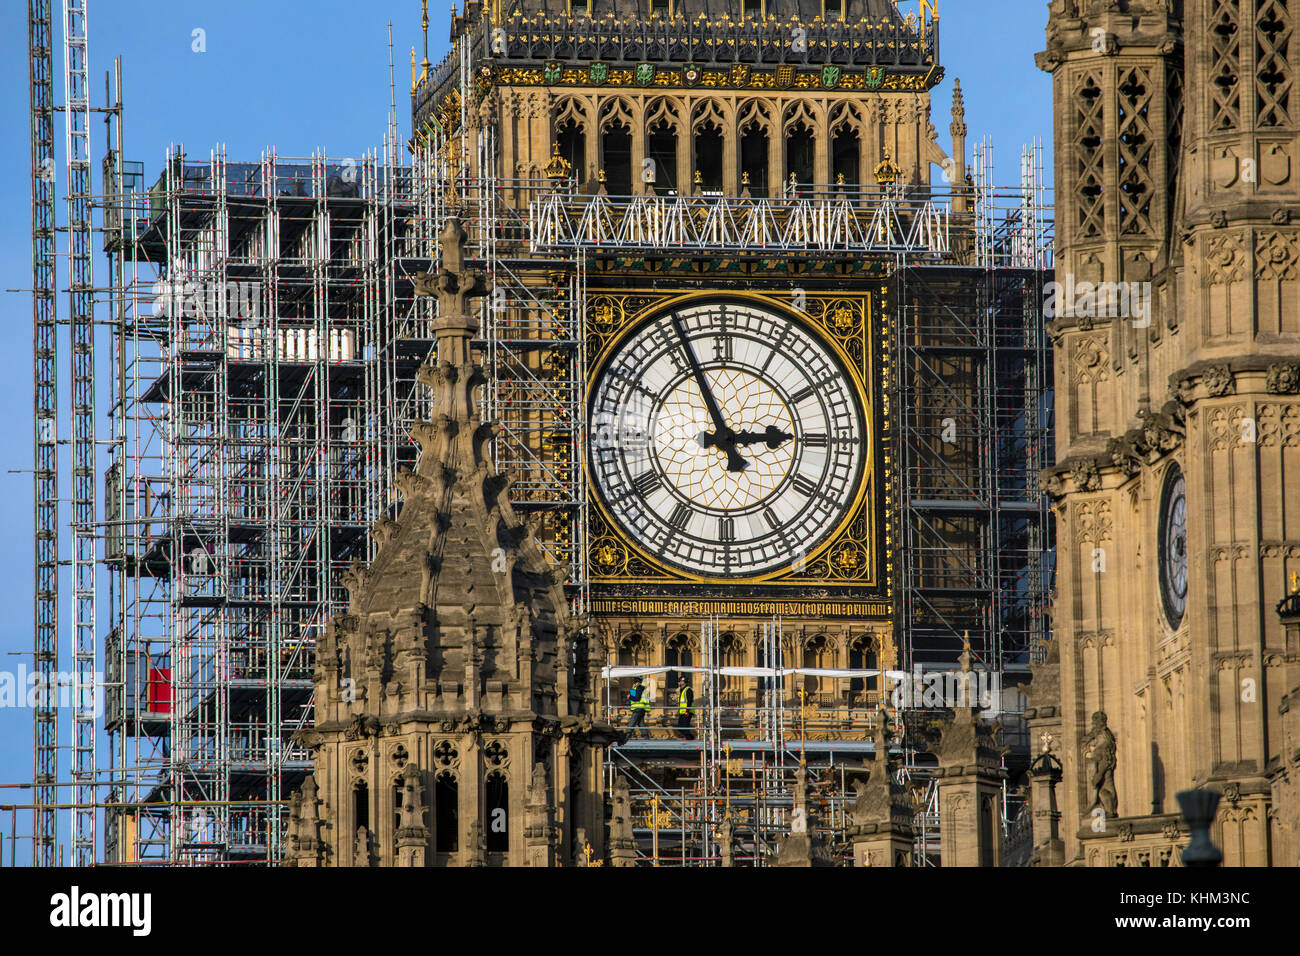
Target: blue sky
(302, 76)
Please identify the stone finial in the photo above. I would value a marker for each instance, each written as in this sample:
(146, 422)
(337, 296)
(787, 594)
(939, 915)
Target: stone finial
(958, 126)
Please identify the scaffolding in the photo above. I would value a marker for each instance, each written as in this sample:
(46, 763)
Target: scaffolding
(251, 457)
(266, 347)
(267, 341)
(739, 760)
(974, 400)
(45, 458)
(741, 767)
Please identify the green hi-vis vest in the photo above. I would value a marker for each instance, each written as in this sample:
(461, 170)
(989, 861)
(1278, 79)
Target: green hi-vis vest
(641, 701)
(683, 705)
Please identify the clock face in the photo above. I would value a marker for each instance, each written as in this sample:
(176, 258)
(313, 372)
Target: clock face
(1173, 547)
(728, 439)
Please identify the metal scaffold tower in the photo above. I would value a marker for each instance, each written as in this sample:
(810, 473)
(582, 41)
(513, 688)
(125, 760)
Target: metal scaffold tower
(257, 305)
(45, 431)
(54, 689)
(733, 776)
(81, 352)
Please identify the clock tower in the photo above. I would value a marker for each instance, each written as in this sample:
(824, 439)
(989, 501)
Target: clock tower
(718, 169)
(1177, 332)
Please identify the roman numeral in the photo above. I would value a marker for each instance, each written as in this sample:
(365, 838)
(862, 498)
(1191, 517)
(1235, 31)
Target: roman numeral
(804, 486)
(797, 398)
(815, 440)
(679, 516)
(646, 483)
(672, 348)
(726, 530)
(772, 520)
(723, 348)
(776, 349)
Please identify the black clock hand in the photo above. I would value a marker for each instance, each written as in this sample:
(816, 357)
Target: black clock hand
(773, 437)
(724, 439)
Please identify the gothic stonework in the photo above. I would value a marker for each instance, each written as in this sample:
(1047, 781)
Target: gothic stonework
(456, 719)
(1198, 445)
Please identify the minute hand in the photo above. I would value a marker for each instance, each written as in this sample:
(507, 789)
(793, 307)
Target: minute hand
(723, 438)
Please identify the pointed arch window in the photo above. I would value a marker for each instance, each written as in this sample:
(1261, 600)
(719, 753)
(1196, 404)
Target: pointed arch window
(361, 805)
(573, 147)
(662, 146)
(446, 801)
(754, 161)
(616, 152)
(846, 152)
(496, 808)
(862, 656)
(678, 652)
(708, 158)
(800, 150)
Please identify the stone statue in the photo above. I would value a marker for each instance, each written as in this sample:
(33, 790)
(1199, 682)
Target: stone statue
(363, 847)
(1099, 755)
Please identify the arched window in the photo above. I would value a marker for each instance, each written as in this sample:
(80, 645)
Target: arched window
(361, 805)
(753, 161)
(398, 790)
(799, 154)
(677, 653)
(616, 151)
(446, 802)
(496, 809)
(573, 147)
(817, 654)
(634, 651)
(845, 153)
(862, 656)
(731, 653)
(708, 158)
(662, 146)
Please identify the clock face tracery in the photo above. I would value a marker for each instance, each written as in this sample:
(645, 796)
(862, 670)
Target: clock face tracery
(1173, 547)
(728, 439)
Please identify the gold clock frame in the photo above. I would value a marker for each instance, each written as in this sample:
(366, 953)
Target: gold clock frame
(835, 319)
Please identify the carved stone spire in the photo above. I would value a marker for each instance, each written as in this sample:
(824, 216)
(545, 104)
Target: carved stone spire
(458, 629)
(958, 125)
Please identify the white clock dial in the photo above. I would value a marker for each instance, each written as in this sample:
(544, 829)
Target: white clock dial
(728, 440)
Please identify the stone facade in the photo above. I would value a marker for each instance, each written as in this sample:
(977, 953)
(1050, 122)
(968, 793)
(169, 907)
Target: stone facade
(1176, 164)
(456, 718)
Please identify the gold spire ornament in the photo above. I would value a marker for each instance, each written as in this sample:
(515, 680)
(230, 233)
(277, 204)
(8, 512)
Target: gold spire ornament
(559, 167)
(887, 171)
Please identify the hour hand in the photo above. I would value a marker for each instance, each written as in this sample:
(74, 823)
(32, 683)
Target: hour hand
(773, 437)
(726, 442)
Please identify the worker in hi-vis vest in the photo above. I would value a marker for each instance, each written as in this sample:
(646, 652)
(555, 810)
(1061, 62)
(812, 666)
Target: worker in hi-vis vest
(639, 700)
(685, 708)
